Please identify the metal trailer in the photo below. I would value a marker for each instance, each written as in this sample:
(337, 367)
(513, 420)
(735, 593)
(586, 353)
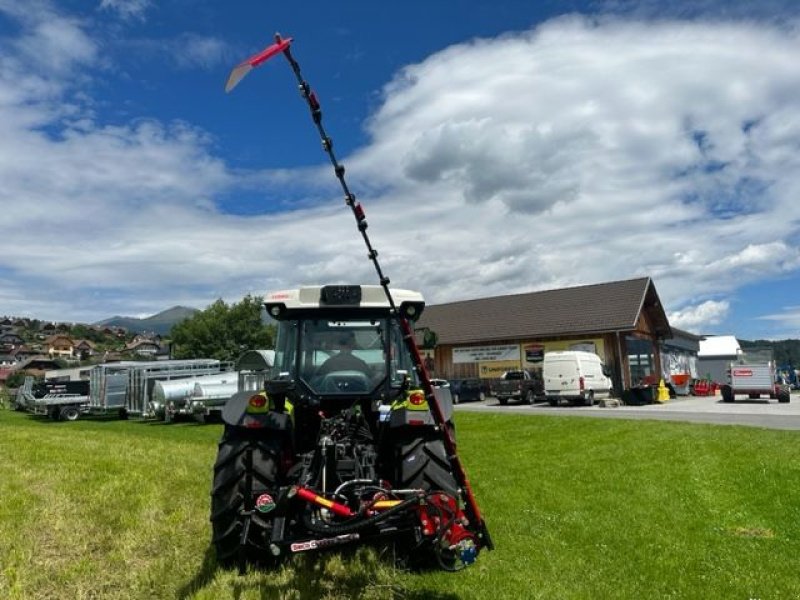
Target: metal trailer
(208, 399)
(125, 388)
(170, 399)
(61, 406)
(24, 399)
(61, 401)
(254, 369)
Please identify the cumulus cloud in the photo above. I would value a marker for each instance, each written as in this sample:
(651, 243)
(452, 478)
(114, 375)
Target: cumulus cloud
(127, 9)
(694, 318)
(583, 151)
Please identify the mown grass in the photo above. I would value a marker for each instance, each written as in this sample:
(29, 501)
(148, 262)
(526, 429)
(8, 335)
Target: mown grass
(578, 508)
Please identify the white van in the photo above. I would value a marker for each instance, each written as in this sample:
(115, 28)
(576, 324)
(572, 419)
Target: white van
(580, 377)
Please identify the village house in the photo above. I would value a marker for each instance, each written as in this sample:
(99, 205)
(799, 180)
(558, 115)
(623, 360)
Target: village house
(60, 346)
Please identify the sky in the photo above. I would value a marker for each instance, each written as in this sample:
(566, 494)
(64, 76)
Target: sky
(497, 148)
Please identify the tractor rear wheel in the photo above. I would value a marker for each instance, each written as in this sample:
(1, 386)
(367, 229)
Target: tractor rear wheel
(246, 465)
(422, 464)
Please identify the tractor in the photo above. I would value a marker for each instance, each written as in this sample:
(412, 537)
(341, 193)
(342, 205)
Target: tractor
(341, 446)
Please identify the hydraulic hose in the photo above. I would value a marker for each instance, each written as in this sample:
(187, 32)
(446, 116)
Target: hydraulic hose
(358, 525)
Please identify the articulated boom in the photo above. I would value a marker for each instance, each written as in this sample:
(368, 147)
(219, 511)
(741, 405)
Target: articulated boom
(350, 440)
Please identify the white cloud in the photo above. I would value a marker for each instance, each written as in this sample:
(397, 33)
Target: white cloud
(185, 51)
(698, 317)
(127, 9)
(579, 152)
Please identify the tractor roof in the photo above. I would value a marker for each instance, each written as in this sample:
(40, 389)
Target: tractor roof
(353, 297)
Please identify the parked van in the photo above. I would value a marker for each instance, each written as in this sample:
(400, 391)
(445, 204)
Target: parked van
(579, 377)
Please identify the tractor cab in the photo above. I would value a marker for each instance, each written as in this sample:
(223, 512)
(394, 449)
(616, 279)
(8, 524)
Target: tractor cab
(337, 343)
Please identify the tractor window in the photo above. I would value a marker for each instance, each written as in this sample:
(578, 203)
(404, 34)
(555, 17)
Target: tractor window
(342, 357)
(400, 364)
(285, 346)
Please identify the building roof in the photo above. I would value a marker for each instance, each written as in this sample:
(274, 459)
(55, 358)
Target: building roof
(582, 310)
(719, 345)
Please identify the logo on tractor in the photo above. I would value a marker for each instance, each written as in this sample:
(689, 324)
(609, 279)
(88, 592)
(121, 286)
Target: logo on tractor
(265, 503)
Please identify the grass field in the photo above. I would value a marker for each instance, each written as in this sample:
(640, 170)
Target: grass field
(578, 508)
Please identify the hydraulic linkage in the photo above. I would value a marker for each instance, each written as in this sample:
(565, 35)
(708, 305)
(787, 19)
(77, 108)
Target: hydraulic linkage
(282, 46)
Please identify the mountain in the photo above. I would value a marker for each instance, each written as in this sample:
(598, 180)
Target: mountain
(160, 323)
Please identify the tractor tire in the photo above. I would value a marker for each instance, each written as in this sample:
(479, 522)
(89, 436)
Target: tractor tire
(422, 464)
(784, 396)
(69, 413)
(727, 393)
(246, 465)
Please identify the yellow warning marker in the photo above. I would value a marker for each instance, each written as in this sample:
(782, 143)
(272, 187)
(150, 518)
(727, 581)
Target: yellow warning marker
(663, 392)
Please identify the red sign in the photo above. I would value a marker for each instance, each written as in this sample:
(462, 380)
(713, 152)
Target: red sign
(743, 372)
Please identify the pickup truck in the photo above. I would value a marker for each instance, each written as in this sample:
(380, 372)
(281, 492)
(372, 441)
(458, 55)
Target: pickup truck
(525, 386)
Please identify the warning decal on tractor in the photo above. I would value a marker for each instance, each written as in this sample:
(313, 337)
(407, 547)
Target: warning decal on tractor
(265, 503)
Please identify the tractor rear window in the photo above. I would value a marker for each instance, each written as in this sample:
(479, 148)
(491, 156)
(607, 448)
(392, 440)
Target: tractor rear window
(341, 357)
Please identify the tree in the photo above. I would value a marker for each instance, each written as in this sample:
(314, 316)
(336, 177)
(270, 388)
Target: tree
(16, 379)
(222, 331)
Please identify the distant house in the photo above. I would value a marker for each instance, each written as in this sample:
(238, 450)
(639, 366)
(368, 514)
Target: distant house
(60, 345)
(85, 349)
(11, 339)
(22, 353)
(143, 347)
(37, 365)
(7, 360)
(716, 354)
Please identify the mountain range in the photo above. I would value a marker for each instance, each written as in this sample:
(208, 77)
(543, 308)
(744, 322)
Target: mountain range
(160, 323)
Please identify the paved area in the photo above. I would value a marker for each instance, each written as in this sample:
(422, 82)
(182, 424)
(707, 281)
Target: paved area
(696, 409)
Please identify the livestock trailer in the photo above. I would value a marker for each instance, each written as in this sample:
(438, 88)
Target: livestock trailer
(125, 388)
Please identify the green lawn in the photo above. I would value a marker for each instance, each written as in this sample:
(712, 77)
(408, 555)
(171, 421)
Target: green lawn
(578, 508)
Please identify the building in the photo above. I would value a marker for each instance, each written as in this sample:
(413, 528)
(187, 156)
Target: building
(679, 360)
(60, 345)
(622, 321)
(716, 354)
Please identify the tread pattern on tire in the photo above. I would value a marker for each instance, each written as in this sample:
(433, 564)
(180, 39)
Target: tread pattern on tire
(423, 464)
(237, 480)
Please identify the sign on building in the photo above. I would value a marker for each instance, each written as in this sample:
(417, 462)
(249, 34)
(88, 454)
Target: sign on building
(481, 354)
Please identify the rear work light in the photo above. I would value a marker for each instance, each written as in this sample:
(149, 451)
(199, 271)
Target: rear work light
(416, 398)
(581, 383)
(257, 404)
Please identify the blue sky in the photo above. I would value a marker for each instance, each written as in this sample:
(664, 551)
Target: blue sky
(498, 148)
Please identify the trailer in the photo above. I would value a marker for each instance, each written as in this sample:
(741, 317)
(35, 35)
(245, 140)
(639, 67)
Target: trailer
(754, 378)
(172, 399)
(253, 369)
(61, 401)
(208, 399)
(125, 388)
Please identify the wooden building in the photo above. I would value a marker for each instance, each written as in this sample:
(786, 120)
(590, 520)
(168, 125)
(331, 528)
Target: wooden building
(622, 321)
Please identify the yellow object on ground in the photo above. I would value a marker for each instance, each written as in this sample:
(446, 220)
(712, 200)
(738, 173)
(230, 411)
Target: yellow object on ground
(663, 392)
